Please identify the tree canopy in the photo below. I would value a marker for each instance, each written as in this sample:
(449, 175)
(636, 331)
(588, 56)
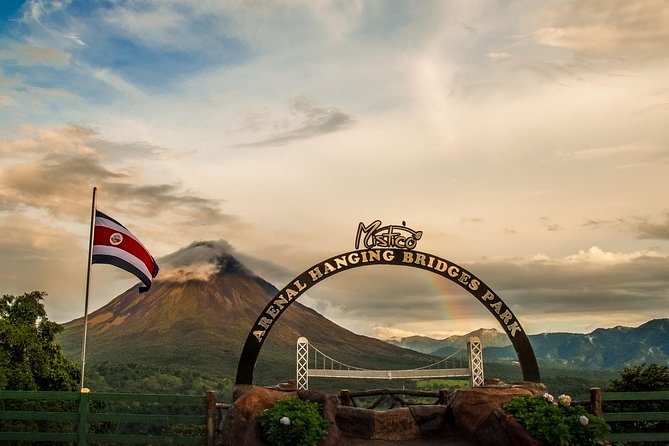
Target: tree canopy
(642, 378)
(30, 358)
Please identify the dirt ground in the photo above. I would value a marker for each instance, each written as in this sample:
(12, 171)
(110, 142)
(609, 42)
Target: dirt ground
(450, 440)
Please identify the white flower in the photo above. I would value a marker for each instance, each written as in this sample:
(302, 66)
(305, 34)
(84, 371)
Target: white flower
(564, 400)
(583, 420)
(285, 421)
(549, 397)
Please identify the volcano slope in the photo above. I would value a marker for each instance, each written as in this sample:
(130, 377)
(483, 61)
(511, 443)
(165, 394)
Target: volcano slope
(196, 317)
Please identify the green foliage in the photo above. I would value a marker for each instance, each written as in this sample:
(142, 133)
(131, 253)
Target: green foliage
(441, 384)
(294, 422)
(135, 377)
(561, 380)
(557, 424)
(642, 378)
(30, 359)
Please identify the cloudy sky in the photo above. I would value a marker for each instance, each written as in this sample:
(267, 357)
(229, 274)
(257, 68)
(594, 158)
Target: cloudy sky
(529, 141)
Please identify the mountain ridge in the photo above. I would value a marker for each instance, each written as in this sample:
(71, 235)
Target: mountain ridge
(601, 349)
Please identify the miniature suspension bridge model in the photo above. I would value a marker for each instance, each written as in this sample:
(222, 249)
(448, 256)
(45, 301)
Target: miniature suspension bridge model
(319, 365)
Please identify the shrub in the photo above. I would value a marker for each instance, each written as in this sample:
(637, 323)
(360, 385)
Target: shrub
(557, 423)
(294, 422)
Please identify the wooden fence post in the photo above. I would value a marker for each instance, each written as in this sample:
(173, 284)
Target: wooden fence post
(443, 397)
(210, 417)
(596, 401)
(345, 398)
(84, 399)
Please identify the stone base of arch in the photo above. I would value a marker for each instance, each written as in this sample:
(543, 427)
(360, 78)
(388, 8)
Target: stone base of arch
(473, 415)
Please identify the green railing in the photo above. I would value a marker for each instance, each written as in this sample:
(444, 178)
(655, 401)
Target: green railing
(93, 418)
(643, 423)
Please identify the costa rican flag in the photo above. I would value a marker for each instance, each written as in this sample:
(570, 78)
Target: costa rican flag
(113, 244)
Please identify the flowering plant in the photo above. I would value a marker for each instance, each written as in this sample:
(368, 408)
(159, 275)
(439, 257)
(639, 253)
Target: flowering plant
(564, 400)
(294, 422)
(557, 423)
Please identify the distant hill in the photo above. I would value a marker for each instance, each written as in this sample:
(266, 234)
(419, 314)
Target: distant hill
(442, 347)
(197, 314)
(602, 349)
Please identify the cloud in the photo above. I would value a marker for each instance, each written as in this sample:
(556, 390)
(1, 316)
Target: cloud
(647, 230)
(74, 37)
(539, 289)
(641, 227)
(201, 259)
(498, 56)
(42, 257)
(591, 280)
(610, 29)
(654, 152)
(35, 10)
(315, 121)
(158, 26)
(25, 55)
(116, 81)
(197, 261)
(551, 227)
(391, 333)
(198, 252)
(186, 26)
(131, 150)
(54, 169)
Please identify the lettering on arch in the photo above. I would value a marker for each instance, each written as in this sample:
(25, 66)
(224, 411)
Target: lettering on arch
(390, 237)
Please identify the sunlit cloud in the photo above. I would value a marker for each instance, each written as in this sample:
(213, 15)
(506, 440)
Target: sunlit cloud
(50, 169)
(499, 56)
(620, 29)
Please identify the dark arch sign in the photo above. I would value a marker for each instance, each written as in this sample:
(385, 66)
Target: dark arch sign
(390, 245)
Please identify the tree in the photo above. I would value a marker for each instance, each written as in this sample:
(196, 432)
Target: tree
(30, 358)
(642, 378)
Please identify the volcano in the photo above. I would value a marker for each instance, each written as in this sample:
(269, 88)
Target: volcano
(198, 313)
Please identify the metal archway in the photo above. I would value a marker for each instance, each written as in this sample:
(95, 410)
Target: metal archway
(401, 257)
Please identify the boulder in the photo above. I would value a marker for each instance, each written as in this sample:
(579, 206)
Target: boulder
(430, 419)
(395, 424)
(354, 422)
(241, 426)
(330, 403)
(236, 429)
(241, 420)
(477, 412)
(501, 429)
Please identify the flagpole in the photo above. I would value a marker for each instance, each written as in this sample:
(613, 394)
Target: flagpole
(88, 286)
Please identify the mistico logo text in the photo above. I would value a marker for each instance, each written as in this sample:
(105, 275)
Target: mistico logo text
(386, 237)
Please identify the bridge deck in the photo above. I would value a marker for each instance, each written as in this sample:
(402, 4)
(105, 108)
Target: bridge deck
(388, 374)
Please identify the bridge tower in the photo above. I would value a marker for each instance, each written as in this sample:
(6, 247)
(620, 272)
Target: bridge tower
(475, 350)
(302, 363)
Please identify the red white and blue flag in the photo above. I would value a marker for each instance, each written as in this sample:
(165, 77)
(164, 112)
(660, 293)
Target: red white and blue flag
(113, 244)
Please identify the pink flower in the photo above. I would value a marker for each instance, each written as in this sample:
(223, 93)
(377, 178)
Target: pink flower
(583, 420)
